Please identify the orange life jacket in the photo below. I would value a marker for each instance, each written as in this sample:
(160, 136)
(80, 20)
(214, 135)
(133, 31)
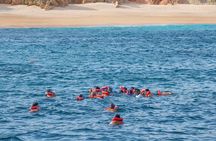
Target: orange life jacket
(148, 94)
(96, 96)
(159, 92)
(34, 107)
(50, 94)
(117, 119)
(105, 93)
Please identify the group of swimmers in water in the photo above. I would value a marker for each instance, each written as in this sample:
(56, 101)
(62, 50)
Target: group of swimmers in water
(103, 92)
(142, 92)
(35, 106)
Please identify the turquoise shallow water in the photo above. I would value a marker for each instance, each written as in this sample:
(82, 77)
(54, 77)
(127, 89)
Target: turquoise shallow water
(178, 58)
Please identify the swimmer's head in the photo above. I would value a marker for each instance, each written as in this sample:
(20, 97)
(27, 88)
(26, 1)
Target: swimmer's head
(117, 115)
(49, 90)
(112, 105)
(35, 104)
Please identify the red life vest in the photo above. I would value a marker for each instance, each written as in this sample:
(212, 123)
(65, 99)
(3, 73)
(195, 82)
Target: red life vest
(148, 94)
(105, 93)
(50, 94)
(117, 119)
(96, 96)
(34, 108)
(99, 96)
(159, 92)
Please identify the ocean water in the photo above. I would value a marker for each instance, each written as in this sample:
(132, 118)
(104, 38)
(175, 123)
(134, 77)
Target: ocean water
(177, 58)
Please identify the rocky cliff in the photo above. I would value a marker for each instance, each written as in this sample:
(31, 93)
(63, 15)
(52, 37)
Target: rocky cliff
(165, 2)
(44, 4)
(49, 4)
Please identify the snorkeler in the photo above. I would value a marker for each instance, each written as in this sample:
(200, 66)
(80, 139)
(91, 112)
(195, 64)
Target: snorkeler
(117, 120)
(34, 108)
(145, 93)
(80, 97)
(49, 93)
(159, 93)
(95, 93)
(134, 90)
(96, 90)
(123, 89)
(141, 93)
(148, 93)
(112, 108)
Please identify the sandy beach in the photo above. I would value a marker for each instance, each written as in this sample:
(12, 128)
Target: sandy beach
(105, 14)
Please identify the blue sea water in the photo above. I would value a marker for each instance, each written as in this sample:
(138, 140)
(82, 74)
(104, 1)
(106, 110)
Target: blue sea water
(177, 58)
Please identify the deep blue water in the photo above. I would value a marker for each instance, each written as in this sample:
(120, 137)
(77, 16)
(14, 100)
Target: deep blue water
(180, 58)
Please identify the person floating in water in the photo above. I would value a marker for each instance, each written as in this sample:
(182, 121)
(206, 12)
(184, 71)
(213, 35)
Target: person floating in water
(112, 108)
(148, 93)
(117, 120)
(97, 89)
(159, 93)
(106, 90)
(137, 91)
(145, 93)
(80, 97)
(134, 91)
(35, 107)
(95, 93)
(49, 93)
(123, 89)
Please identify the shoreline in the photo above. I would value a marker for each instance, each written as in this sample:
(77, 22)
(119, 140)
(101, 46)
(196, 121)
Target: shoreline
(106, 26)
(105, 15)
